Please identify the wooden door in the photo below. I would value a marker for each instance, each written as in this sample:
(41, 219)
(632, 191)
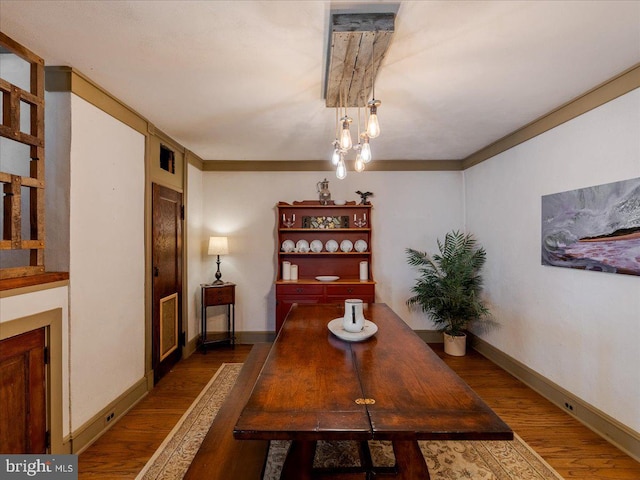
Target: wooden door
(23, 416)
(167, 279)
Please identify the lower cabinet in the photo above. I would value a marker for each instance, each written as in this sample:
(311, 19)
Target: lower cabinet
(288, 293)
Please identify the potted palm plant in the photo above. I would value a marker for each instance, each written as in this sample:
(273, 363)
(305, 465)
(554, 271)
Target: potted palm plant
(448, 287)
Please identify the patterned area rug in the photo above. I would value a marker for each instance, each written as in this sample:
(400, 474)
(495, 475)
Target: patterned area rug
(447, 460)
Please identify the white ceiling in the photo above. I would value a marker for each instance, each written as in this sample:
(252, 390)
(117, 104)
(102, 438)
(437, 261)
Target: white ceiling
(243, 80)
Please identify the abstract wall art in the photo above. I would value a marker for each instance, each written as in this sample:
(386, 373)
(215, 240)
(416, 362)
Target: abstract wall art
(595, 228)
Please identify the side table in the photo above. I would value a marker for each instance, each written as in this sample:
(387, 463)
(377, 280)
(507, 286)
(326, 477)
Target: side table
(215, 295)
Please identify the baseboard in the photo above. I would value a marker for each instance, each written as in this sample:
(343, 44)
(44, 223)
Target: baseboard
(430, 336)
(607, 427)
(249, 338)
(242, 338)
(190, 347)
(91, 430)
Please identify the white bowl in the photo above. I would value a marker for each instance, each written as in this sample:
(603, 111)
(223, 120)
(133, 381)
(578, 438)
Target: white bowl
(327, 278)
(339, 202)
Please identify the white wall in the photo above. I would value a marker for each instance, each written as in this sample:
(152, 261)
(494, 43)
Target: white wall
(195, 239)
(57, 175)
(410, 209)
(579, 329)
(107, 314)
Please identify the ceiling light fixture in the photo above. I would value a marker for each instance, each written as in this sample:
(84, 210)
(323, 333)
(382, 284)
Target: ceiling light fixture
(345, 135)
(373, 127)
(358, 44)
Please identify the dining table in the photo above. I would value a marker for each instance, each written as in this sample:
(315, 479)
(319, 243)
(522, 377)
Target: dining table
(383, 383)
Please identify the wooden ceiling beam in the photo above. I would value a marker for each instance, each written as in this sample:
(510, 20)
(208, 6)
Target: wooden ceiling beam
(359, 42)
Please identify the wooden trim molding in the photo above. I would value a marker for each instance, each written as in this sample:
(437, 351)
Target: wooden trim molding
(607, 427)
(194, 160)
(325, 165)
(68, 79)
(430, 336)
(59, 78)
(31, 283)
(91, 430)
(414, 166)
(611, 89)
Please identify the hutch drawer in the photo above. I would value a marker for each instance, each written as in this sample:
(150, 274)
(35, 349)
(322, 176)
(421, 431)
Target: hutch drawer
(300, 289)
(349, 289)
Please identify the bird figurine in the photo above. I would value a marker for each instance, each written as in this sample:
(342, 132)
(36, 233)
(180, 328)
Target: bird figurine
(363, 196)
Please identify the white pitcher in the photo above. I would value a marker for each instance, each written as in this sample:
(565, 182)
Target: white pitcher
(353, 320)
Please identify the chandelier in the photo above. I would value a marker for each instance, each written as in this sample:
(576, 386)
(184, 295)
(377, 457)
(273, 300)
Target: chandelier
(343, 142)
(358, 44)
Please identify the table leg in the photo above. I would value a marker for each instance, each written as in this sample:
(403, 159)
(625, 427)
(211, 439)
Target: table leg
(298, 464)
(410, 461)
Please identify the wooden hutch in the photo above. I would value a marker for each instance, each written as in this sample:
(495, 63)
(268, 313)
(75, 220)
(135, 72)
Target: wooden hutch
(314, 221)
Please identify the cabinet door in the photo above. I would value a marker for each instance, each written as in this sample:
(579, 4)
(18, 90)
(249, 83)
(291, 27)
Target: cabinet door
(23, 416)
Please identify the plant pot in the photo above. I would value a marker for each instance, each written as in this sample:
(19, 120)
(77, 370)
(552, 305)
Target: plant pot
(455, 345)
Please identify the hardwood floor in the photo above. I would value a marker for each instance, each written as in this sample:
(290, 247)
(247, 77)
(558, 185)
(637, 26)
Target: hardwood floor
(572, 449)
(125, 448)
(568, 446)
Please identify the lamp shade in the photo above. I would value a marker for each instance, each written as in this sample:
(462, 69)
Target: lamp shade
(218, 246)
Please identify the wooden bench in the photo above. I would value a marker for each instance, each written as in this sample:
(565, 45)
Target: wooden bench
(221, 456)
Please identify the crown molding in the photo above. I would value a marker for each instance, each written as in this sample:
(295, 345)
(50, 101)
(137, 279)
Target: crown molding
(325, 165)
(607, 91)
(67, 79)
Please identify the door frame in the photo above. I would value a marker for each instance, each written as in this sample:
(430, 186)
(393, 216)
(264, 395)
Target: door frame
(176, 181)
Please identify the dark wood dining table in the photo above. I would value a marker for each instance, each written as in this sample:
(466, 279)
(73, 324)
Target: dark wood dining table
(391, 386)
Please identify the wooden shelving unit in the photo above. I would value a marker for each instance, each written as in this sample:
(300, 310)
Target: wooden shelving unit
(346, 265)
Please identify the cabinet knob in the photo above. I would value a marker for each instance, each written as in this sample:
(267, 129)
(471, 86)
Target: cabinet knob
(299, 290)
(349, 290)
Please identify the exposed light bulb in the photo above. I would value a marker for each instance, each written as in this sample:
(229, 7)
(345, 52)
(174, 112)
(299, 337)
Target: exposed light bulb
(359, 165)
(345, 135)
(335, 158)
(365, 151)
(341, 171)
(373, 127)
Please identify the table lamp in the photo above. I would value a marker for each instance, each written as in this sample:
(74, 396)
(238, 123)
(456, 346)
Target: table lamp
(218, 246)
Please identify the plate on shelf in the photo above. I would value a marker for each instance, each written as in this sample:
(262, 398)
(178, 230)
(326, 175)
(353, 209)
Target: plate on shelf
(327, 278)
(288, 246)
(346, 246)
(361, 246)
(302, 246)
(316, 246)
(335, 327)
(331, 246)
